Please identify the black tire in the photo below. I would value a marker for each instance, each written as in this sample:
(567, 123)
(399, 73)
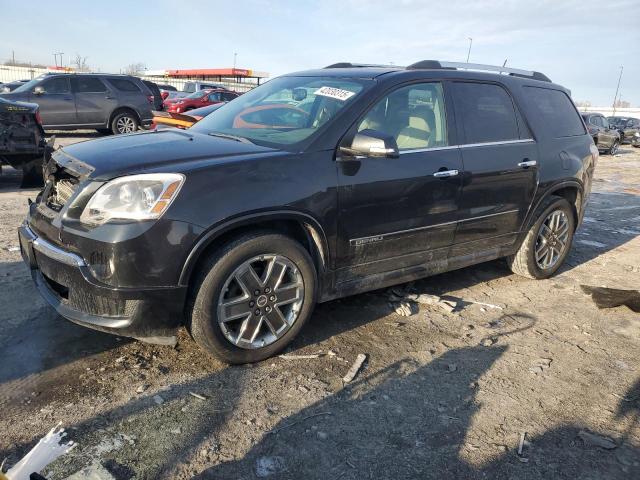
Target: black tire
(202, 315)
(32, 174)
(124, 117)
(523, 262)
(614, 148)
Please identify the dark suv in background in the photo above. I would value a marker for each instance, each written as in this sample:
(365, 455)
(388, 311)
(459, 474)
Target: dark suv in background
(605, 135)
(108, 103)
(345, 179)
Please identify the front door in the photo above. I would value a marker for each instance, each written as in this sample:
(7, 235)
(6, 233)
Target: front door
(94, 102)
(500, 163)
(57, 106)
(400, 212)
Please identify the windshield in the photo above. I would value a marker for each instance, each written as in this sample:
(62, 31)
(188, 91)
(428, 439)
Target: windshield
(30, 85)
(283, 111)
(198, 94)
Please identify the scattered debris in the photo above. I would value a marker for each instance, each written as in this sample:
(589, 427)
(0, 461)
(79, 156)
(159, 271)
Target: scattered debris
(597, 440)
(447, 305)
(120, 359)
(521, 443)
(142, 388)
(488, 305)
(301, 357)
(355, 368)
(613, 297)
(46, 451)
(405, 309)
(158, 399)
(487, 342)
(272, 432)
(425, 299)
(13, 249)
(267, 466)
(540, 365)
(197, 395)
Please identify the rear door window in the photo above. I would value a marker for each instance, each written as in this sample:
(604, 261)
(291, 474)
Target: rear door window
(89, 85)
(556, 111)
(227, 97)
(124, 85)
(487, 112)
(214, 97)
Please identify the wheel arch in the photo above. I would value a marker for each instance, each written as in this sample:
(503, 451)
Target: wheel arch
(121, 109)
(571, 190)
(300, 226)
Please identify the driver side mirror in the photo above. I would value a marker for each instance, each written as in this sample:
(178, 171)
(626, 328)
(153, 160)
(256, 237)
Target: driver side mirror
(38, 90)
(372, 143)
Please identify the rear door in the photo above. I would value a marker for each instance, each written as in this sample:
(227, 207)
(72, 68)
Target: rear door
(57, 105)
(400, 212)
(500, 167)
(94, 101)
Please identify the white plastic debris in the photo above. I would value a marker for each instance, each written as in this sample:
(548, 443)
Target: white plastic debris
(355, 368)
(46, 451)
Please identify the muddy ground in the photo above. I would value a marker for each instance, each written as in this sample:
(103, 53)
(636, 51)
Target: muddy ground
(441, 395)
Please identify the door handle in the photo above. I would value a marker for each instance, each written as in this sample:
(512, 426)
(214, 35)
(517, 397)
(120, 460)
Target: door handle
(446, 173)
(527, 163)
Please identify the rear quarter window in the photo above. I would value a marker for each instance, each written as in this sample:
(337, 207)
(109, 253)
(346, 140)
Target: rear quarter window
(124, 85)
(555, 110)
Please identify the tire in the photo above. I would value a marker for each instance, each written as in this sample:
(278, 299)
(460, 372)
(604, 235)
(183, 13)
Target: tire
(32, 174)
(124, 122)
(215, 282)
(523, 262)
(614, 148)
(104, 131)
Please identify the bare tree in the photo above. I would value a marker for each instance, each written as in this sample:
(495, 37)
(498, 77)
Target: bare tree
(135, 69)
(622, 104)
(583, 104)
(80, 63)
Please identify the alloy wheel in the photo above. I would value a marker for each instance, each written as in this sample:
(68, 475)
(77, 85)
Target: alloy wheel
(614, 148)
(552, 239)
(260, 301)
(126, 125)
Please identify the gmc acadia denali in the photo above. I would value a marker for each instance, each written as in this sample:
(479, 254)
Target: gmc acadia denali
(313, 186)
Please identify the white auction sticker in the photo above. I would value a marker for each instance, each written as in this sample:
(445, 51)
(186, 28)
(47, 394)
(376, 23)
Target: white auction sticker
(336, 93)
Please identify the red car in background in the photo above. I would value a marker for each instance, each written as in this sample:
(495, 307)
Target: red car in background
(198, 99)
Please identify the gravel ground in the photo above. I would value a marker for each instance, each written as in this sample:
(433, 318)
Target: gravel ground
(441, 394)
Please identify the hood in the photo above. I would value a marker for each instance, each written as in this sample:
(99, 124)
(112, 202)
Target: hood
(9, 105)
(169, 150)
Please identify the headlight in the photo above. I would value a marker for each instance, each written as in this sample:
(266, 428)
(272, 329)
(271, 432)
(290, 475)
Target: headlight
(135, 197)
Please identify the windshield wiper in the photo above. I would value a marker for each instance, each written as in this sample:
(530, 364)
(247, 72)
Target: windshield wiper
(231, 137)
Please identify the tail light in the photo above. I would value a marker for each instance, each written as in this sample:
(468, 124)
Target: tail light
(150, 98)
(38, 117)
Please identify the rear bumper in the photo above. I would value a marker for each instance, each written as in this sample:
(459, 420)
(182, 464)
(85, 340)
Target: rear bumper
(66, 283)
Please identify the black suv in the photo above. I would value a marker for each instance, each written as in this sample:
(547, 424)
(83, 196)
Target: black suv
(107, 103)
(605, 135)
(311, 187)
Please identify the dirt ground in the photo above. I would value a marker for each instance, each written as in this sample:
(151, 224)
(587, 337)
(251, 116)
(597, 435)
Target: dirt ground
(441, 395)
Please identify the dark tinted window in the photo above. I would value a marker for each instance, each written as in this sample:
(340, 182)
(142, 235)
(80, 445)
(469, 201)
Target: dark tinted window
(488, 114)
(227, 97)
(56, 85)
(124, 85)
(556, 110)
(214, 97)
(89, 84)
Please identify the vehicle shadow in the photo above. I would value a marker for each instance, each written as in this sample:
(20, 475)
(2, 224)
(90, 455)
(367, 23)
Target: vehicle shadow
(417, 421)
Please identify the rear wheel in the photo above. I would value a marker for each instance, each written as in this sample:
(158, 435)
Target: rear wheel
(32, 174)
(251, 298)
(124, 122)
(548, 241)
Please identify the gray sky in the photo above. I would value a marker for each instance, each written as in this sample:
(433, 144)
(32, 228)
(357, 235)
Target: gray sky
(580, 44)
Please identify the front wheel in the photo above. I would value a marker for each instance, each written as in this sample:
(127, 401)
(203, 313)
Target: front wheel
(614, 148)
(252, 297)
(548, 241)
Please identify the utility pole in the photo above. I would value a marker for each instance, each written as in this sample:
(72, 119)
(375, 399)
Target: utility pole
(617, 89)
(469, 51)
(55, 57)
(13, 56)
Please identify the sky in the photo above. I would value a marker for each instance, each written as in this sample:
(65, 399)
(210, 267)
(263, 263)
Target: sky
(580, 44)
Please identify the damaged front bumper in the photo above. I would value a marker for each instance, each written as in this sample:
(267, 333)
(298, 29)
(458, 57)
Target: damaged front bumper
(67, 284)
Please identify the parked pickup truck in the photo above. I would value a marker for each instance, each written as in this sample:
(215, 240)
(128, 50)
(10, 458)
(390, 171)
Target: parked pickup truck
(22, 142)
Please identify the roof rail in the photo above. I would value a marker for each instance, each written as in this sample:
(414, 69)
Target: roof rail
(516, 72)
(358, 65)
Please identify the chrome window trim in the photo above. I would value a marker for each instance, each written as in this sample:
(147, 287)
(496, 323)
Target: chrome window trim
(56, 253)
(376, 238)
(469, 145)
